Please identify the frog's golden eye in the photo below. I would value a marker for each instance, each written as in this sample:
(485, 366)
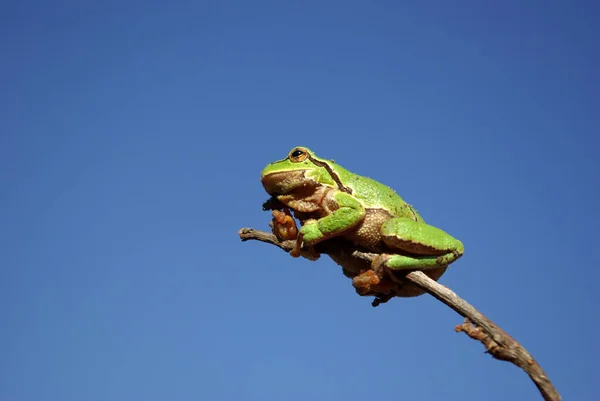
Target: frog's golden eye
(298, 155)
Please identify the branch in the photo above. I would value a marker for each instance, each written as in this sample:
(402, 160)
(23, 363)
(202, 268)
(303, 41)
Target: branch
(496, 341)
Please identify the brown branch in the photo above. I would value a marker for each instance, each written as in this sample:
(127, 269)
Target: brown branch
(496, 341)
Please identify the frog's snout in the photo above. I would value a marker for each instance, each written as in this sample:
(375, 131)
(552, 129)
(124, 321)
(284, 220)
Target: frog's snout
(272, 183)
(280, 183)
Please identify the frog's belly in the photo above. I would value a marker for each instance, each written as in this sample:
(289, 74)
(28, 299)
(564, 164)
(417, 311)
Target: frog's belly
(368, 233)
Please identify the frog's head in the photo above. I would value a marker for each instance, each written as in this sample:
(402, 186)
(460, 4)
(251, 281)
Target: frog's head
(300, 169)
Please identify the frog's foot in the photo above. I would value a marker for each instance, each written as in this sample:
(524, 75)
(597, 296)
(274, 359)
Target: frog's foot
(283, 225)
(402, 262)
(369, 283)
(374, 282)
(365, 282)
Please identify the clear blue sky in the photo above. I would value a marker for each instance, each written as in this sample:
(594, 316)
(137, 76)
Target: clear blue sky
(132, 136)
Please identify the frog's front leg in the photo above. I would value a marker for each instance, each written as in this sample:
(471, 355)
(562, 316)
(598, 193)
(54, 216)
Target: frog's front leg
(432, 248)
(343, 211)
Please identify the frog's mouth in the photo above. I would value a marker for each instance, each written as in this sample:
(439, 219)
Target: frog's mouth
(283, 182)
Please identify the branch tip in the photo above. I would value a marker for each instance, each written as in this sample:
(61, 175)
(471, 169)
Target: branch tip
(478, 327)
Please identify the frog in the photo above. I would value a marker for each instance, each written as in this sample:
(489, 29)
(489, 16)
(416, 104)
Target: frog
(341, 211)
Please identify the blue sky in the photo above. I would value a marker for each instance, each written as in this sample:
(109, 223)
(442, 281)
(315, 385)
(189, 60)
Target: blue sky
(132, 136)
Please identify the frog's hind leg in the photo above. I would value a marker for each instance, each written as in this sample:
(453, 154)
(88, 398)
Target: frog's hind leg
(420, 245)
(401, 262)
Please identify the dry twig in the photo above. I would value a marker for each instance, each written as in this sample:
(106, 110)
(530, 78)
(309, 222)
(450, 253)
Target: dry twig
(496, 341)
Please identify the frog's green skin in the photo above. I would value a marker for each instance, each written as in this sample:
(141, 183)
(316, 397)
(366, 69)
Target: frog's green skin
(333, 202)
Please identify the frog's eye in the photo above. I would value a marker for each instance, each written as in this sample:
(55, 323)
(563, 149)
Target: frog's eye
(298, 155)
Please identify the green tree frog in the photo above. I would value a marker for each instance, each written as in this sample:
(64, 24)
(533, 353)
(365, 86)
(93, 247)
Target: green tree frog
(355, 212)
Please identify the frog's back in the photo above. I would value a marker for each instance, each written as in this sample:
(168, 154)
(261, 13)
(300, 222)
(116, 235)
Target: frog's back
(374, 194)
